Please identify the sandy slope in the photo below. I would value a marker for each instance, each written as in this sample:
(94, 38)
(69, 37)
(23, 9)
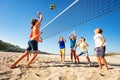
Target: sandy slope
(47, 67)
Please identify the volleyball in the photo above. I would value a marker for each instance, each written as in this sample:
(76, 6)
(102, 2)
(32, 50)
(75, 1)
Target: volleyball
(52, 6)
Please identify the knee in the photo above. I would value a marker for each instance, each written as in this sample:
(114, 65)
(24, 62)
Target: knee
(102, 58)
(27, 52)
(36, 52)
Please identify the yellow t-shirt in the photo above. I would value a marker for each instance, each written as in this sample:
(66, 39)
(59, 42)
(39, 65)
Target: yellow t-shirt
(82, 46)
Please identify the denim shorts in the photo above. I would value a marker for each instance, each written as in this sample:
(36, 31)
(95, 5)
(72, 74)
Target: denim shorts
(32, 45)
(84, 52)
(100, 51)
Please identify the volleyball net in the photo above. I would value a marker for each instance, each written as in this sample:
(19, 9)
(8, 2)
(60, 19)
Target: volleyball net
(77, 13)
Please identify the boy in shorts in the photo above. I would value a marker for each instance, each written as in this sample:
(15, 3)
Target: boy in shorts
(100, 47)
(83, 48)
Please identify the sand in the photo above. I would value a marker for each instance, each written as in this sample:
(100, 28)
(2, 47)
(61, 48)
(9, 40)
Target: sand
(48, 67)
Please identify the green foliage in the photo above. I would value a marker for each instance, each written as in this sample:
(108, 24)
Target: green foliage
(7, 47)
(112, 53)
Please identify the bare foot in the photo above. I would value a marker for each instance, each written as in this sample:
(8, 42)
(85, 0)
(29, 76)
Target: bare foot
(71, 61)
(78, 62)
(75, 62)
(12, 66)
(106, 68)
(61, 62)
(90, 64)
(99, 67)
(27, 67)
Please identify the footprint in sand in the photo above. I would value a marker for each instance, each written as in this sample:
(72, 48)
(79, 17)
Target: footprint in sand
(36, 75)
(54, 78)
(43, 73)
(4, 74)
(63, 78)
(72, 77)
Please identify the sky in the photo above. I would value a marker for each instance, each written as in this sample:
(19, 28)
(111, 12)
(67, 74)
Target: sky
(15, 17)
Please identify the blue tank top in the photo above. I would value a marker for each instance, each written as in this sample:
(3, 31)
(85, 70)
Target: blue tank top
(72, 43)
(61, 44)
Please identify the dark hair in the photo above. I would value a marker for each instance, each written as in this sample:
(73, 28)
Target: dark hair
(33, 21)
(83, 38)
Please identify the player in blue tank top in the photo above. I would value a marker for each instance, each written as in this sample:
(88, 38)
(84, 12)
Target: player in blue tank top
(72, 37)
(62, 44)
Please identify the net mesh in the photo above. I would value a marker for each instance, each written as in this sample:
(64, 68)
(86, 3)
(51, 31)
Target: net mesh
(81, 12)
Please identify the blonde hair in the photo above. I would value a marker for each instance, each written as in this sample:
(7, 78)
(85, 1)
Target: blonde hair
(99, 30)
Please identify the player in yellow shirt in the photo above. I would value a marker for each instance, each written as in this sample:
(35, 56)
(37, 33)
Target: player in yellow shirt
(83, 48)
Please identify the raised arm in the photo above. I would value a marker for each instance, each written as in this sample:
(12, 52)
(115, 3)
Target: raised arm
(76, 45)
(64, 39)
(69, 36)
(40, 19)
(86, 44)
(58, 40)
(74, 35)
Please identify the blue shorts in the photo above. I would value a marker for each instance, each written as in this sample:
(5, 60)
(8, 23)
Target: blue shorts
(84, 52)
(32, 45)
(100, 51)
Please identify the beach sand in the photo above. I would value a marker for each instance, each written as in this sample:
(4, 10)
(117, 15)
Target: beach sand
(48, 67)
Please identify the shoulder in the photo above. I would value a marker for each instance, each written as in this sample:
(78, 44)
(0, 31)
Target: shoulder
(98, 36)
(82, 43)
(74, 40)
(70, 39)
(77, 43)
(35, 27)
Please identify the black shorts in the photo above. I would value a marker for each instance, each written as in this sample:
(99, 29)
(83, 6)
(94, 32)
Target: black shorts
(100, 51)
(32, 45)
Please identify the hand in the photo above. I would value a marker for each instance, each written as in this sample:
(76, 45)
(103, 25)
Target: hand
(39, 13)
(94, 49)
(41, 32)
(74, 33)
(40, 40)
(101, 46)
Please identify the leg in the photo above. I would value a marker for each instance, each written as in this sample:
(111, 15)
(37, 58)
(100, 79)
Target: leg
(29, 49)
(102, 57)
(34, 46)
(99, 62)
(74, 53)
(27, 57)
(35, 55)
(19, 59)
(63, 57)
(98, 51)
(71, 54)
(104, 62)
(77, 58)
(88, 59)
(60, 58)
